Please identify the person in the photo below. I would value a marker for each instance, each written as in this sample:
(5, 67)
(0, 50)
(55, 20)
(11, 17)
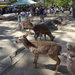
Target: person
(41, 13)
(62, 9)
(37, 10)
(1, 11)
(24, 15)
(51, 10)
(45, 12)
(56, 9)
(71, 9)
(31, 14)
(19, 21)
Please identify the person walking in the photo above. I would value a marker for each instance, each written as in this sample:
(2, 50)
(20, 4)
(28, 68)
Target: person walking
(62, 9)
(41, 13)
(51, 10)
(71, 9)
(31, 14)
(45, 12)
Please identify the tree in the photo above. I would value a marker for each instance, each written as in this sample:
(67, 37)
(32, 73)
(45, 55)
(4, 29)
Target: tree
(73, 1)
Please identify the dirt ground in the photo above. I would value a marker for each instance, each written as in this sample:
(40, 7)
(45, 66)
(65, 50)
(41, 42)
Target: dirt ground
(25, 65)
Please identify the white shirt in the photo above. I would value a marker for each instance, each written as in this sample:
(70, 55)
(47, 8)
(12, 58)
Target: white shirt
(24, 13)
(71, 9)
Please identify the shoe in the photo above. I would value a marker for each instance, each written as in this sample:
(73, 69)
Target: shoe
(19, 26)
(40, 21)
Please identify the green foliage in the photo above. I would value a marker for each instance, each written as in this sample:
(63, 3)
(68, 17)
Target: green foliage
(64, 3)
(10, 2)
(70, 3)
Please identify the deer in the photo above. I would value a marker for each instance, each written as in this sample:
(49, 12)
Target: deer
(39, 29)
(27, 24)
(42, 29)
(57, 21)
(49, 48)
(71, 58)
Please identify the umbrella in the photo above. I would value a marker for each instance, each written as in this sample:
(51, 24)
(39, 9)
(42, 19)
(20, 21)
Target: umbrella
(10, 7)
(21, 2)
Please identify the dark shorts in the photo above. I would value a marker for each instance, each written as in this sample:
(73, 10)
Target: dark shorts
(42, 16)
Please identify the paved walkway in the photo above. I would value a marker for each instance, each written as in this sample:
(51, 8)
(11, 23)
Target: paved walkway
(9, 33)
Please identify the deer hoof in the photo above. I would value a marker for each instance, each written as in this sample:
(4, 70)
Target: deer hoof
(35, 67)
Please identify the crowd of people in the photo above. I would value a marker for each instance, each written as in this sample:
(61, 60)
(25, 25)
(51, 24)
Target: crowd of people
(34, 10)
(28, 13)
(7, 10)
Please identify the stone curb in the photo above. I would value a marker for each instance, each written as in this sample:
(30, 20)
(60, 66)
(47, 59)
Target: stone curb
(69, 29)
(52, 26)
(12, 59)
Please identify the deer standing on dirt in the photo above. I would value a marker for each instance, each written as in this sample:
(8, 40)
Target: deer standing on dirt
(51, 49)
(42, 29)
(71, 59)
(38, 29)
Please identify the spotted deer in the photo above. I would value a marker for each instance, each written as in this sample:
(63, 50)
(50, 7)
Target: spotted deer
(51, 49)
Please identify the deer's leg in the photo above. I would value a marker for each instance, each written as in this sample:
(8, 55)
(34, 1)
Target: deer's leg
(22, 26)
(35, 59)
(40, 36)
(56, 58)
(36, 35)
(50, 36)
(45, 36)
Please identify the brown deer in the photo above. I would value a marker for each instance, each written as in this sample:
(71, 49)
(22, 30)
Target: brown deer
(51, 49)
(42, 29)
(38, 29)
(27, 24)
(57, 21)
(71, 59)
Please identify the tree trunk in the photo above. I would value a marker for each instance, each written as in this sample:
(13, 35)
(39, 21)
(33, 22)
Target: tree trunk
(73, 1)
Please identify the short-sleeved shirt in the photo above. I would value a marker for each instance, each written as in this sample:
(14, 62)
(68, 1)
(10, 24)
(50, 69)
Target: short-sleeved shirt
(41, 11)
(24, 16)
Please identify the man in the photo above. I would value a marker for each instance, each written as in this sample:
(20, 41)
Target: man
(41, 13)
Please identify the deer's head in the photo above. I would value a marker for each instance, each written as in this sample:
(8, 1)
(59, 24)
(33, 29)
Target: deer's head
(52, 38)
(22, 38)
(71, 51)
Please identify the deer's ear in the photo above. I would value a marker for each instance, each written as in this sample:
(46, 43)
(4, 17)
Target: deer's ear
(68, 45)
(24, 36)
